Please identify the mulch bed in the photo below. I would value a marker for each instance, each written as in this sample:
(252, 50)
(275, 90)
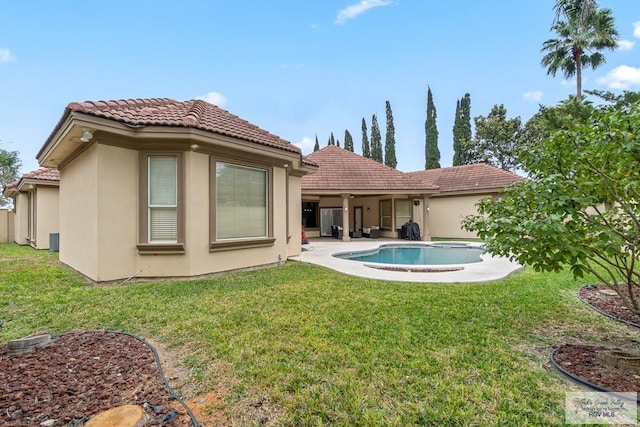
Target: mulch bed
(608, 305)
(580, 360)
(81, 374)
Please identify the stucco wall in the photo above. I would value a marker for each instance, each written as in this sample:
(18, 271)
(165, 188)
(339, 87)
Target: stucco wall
(79, 213)
(6, 225)
(47, 214)
(447, 213)
(21, 219)
(99, 204)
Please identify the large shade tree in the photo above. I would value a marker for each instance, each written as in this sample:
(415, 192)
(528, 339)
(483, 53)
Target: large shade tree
(583, 31)
(497, 139)
(581, 208)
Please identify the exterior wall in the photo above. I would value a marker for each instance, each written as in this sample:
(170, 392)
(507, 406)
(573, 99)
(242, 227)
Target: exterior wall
(6, 226)
(99, 233)
(79, 213)
(21, 219)
(295, 217)
(46, 215)
(447, 213)
(117, 212)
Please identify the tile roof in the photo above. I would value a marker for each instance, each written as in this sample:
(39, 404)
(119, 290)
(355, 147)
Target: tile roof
(42, 174)
(190, 114)
(474, 177)
(344, 171)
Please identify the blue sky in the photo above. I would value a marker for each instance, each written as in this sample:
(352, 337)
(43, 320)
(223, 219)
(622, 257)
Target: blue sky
(295, 68)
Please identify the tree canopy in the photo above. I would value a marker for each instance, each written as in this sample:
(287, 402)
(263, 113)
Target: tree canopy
(582, 209)
(583, 31)
(348, 141)
(497, 139)
(390, 139)
(376, 140)
(9, 171)
(462, 131)
(431, 150)
(366, 151)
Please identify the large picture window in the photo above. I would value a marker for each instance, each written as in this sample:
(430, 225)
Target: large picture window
(241, 202)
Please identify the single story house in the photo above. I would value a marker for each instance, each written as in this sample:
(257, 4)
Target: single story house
(35, 206)
(357, 193)
(461, 188)
(163, 188)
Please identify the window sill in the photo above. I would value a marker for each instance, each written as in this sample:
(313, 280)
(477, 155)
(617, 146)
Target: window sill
(161, 248)
(241, 244)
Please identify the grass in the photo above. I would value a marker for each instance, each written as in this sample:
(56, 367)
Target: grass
(322, 348)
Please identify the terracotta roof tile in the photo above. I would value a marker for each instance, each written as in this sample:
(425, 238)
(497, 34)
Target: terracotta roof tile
(479, 176)
(193, 114)
(43, 174)
(343, 170)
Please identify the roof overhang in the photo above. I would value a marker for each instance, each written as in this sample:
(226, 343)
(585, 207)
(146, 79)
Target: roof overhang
(65, 142)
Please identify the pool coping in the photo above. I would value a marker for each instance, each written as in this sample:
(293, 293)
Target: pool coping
(320, 252)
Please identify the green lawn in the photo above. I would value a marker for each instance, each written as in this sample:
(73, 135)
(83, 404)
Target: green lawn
(322, 348)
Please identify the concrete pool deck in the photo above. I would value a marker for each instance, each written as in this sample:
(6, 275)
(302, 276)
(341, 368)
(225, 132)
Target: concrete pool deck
(320, 252)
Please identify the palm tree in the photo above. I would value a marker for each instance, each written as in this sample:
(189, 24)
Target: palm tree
(583, 31)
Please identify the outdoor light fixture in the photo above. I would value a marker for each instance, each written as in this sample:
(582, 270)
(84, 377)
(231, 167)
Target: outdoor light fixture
(86, 136)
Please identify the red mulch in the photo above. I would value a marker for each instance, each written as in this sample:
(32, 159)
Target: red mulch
(611, 305)
(81, 374)
(580, 360)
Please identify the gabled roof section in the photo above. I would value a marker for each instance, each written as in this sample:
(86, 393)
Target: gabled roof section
(344, 171)
(195, 113)
(476, 177)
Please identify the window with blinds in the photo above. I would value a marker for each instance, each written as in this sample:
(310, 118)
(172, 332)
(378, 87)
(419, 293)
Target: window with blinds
(241, 202)
(163, 198)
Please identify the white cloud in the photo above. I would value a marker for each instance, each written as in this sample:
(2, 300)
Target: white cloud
(636, 29)
(306, 145)
(534, 95)
(354, 10)
(625, 44)
(622, 77)
(6, 55)
(214, 98)
(286, 66)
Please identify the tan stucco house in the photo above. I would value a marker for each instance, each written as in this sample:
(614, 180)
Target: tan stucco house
(35, 207)
(162, 188)
(460, 189)
(357, 193)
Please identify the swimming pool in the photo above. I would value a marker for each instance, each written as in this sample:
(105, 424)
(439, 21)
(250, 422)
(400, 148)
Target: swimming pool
(418, 254)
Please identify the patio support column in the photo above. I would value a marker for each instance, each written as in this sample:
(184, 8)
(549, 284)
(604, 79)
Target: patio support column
(345, 218)
(426, 227)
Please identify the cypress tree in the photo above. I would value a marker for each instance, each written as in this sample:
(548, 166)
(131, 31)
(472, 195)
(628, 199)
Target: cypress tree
(457, 143)
(338, 142)
(317, 146)
(462, 132)
(390, 140)
(332, 140)
(376, 140)
(366, 152)
(432, 153)
(348, 141)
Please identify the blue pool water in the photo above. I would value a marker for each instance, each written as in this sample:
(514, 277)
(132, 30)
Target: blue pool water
(432, 254)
